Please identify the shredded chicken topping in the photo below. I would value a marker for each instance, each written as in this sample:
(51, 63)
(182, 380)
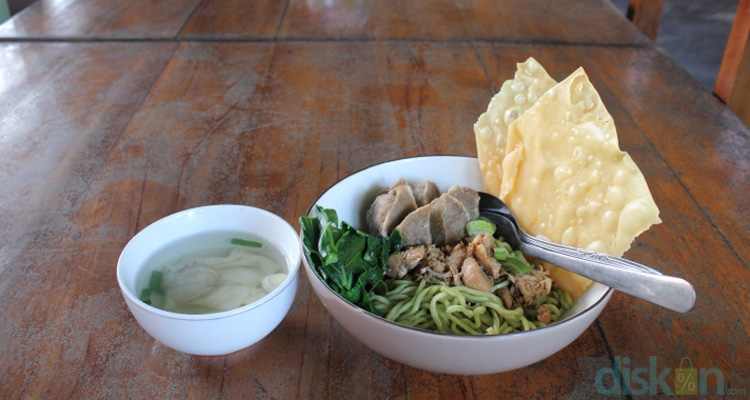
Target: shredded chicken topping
(471, 263)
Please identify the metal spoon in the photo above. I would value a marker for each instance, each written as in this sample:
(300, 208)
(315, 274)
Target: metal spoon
(626, 276)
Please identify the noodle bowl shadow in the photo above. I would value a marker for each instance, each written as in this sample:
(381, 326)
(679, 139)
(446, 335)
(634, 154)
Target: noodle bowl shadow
(432, 351)
(222, 332)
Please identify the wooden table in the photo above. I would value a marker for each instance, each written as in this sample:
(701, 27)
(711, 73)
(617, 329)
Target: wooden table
(114, 114)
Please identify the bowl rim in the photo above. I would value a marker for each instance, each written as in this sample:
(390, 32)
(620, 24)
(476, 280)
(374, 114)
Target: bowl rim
(293, 268)
(604, 297)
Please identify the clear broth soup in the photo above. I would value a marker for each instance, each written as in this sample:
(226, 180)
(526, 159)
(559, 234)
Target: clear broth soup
(201, 246)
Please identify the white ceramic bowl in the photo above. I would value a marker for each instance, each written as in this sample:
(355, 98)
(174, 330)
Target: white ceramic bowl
(223, 332)
(437, 352)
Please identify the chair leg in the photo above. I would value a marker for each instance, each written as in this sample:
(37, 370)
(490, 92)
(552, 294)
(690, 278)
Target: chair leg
(729, 70)
(646, 16)
(739, 100)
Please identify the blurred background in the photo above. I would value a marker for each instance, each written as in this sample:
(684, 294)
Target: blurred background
(693, 32)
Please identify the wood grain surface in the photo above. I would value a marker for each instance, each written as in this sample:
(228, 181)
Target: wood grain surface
(212, 104)
(568, 21)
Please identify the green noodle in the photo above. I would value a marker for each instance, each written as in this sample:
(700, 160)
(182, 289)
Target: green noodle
(462, 310)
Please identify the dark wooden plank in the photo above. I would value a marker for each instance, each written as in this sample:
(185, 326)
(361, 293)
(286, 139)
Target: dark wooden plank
(506, 20)
(579, 21)
(234, 19)
(87, 19)
(63, 108)
(702, 141)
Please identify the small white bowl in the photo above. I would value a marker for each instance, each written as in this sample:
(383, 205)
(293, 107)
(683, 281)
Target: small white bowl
(438, 352)
(222, 332)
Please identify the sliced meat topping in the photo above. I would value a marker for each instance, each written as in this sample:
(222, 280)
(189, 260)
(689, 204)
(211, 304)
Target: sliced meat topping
(435, 259)
(454, 260)
(425, 192)
(421, 214)
(390, 208)
(543, 314)
(472, 276)
(433, 266)
(468, 197)
(533, 285)
(415, 228)
(506, 296)
(399, 264)
(482, 249)
(448, 220)
(435, 247)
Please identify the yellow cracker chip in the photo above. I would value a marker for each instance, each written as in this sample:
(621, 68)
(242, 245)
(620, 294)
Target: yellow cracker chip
(566, 179)
(491, 130)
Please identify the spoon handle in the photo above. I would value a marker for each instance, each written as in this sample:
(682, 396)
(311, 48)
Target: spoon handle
(624, 275)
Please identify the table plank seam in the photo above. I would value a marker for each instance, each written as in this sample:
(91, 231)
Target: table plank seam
(189, 17)
(196, 38)
(281, 19)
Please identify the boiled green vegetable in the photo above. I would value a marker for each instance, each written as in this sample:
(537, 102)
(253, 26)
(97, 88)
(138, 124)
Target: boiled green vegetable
(349, 261)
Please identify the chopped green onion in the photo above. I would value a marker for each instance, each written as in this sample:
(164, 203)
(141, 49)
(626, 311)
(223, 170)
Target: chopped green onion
(154, 287)
(501, 253)
(145, 296)
(246, 243)
(155, 283)
(500, 285)
(478, 226)
(517, 266)
(501, 242)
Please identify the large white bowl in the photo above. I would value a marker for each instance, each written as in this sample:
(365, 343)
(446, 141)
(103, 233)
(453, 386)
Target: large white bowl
(223, 332)
(437, 352)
